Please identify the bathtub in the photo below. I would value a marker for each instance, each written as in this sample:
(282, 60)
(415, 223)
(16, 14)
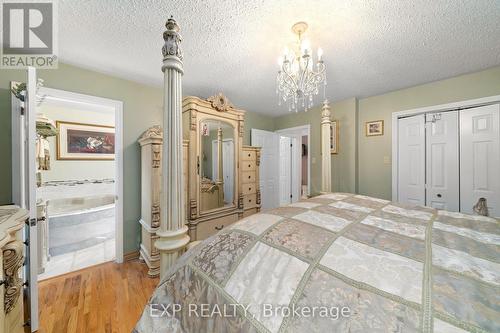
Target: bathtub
(78, 223)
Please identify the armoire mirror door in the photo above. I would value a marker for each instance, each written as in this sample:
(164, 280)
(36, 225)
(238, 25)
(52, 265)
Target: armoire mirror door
(217, 165)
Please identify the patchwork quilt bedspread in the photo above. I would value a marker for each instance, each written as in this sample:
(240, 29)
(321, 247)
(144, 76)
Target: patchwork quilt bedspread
(337, 263)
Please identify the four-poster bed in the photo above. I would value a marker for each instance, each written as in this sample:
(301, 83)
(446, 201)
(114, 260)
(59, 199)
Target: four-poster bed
(337, 262)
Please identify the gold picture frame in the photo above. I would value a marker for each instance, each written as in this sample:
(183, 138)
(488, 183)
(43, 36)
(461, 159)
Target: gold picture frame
(87, 142)
(374, 128)
(334, 137)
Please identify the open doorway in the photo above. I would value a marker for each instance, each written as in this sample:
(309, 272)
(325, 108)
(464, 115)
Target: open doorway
(78, 186)
(288, 148)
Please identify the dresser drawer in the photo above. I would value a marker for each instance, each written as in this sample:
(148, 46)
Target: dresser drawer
(249, 200)
(208, 228)
(249, 188)
(248, 165)
(248, 177)
(248, 155)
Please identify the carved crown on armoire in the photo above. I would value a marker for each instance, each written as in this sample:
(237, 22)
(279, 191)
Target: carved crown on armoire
(221, 175)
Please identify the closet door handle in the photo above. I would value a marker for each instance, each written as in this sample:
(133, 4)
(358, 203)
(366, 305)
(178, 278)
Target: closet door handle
(439, 195)
(219, 228)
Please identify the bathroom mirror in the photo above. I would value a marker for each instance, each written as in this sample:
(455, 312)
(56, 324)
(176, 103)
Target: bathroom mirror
(217, 169)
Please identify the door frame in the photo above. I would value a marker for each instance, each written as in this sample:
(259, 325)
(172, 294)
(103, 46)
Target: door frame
(455, 106)
(62, 96)
(298, 132)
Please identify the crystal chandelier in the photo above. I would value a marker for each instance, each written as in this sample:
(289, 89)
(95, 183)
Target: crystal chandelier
(299, 79)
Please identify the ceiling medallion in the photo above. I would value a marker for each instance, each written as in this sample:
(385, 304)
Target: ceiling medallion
(299, 79)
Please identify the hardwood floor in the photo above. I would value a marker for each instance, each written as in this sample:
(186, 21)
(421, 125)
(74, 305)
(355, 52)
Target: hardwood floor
(106, 298)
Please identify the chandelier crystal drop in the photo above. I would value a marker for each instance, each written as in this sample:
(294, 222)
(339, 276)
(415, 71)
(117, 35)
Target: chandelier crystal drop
(299, 79)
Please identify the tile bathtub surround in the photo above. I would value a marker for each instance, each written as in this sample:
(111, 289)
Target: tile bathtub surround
(75, 189)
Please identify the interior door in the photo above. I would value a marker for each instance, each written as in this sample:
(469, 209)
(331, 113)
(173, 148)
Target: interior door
(411, 160)
(480, 158)
(269, 154)
(285, 168)
(29, 200)
(442, 169)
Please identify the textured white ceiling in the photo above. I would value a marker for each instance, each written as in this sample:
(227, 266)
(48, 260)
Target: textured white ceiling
(232, 46)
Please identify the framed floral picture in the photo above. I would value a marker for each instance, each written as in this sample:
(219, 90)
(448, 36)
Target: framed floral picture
(374, 128)
(334, 137)
(76, 141)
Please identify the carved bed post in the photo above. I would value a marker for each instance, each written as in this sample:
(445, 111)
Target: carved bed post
(326, 162)
(172, 235)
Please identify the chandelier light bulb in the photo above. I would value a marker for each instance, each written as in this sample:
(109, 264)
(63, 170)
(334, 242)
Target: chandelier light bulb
(305, 46)
(286, 53)
(320, 54)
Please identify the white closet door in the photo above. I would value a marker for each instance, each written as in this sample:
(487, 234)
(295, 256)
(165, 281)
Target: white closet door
(285, 170)
(269, 176)
(442, 161)
(411, 160)
(480, 158)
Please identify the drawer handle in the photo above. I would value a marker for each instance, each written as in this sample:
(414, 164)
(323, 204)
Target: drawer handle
(249, 165)
(249, 177)
(249, 188)
(249, 200)
(248, 155)
(219, 228)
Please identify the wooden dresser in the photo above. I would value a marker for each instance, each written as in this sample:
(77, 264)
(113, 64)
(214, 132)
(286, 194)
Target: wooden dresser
(12, 221)
(250, 190)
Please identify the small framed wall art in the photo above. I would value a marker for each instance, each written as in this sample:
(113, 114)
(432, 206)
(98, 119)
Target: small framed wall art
(76, 141)
(374, 128)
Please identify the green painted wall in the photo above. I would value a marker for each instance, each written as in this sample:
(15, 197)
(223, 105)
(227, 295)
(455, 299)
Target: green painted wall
(374, 174)
(258, 121)
(344, 162)
(142, 108)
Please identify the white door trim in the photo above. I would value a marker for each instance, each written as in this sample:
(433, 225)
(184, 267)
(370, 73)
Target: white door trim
(428, 109)
(65, 97)
(303, 130)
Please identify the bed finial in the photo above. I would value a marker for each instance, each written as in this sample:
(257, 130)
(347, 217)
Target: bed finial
(172, 38)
